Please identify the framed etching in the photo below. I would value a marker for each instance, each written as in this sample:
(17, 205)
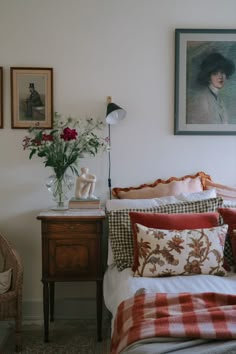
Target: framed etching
(1, 97)
(31, 97)
(205, 82)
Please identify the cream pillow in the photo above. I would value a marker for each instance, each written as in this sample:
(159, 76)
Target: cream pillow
(5, 281)
(176, 252)
(164, 187)
(188, 185)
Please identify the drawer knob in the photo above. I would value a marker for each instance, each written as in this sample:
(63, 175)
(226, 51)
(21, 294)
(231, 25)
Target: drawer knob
(72, 227)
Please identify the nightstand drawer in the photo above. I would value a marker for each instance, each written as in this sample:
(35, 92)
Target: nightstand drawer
(80, 227)
(74, 258)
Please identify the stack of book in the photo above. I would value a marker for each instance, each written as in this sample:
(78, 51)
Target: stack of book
(76, 203)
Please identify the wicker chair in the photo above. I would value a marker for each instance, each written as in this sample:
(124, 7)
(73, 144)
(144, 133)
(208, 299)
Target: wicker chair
(11, 301)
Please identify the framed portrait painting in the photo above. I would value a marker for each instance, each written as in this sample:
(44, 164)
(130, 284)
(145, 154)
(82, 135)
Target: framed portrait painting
(31, 97)
(205, 82)
(1, 97)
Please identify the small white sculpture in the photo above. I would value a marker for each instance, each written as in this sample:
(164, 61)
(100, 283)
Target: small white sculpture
(85, 184)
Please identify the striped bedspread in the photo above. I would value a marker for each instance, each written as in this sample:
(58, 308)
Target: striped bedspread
(202, 315)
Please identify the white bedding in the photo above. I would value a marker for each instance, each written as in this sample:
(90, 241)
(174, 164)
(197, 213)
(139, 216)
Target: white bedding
(118, 286)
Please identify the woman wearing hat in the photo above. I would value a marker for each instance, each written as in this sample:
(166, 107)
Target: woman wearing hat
(208, 107)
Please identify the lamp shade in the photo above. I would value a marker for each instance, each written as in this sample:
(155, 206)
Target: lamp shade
(114, 113)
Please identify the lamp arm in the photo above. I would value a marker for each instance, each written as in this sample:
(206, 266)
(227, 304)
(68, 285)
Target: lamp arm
(113, 116)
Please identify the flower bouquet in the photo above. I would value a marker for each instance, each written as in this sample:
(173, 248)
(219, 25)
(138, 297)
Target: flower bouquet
(61, 148)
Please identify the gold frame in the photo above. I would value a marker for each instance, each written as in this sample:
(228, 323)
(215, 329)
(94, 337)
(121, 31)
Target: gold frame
(24, 114)
(1, 97)
(191, 46)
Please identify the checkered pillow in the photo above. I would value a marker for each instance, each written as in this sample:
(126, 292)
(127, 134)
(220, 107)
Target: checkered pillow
(228, 252)
(120, 232)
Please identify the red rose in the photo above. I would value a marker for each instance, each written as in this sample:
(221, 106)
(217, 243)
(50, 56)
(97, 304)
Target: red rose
(47, 137)
(37, 142)
(69, 134)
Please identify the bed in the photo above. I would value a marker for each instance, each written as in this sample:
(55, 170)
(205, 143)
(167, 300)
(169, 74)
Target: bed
(182, 310)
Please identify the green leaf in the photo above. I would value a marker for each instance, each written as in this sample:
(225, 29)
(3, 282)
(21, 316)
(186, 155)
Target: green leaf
(33, 151)
(41, 153)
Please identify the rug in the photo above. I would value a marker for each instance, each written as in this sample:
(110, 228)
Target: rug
(65, 337)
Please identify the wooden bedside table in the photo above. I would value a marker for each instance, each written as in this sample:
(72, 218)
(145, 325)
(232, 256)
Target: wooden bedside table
(71, 251)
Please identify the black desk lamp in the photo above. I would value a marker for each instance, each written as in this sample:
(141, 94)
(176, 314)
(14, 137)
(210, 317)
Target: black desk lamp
(114, 115)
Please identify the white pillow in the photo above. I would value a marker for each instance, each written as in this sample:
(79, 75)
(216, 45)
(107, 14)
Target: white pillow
(229, 204)
(192, 197)
(116, 204)
(5, 281)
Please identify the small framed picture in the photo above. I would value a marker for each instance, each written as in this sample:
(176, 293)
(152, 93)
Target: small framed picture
(205, 82)
(1, 97)
(31, 97)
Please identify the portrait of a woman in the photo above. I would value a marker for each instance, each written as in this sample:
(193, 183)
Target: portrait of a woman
(207, 106)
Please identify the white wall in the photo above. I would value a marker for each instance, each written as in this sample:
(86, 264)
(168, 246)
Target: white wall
(122, 48)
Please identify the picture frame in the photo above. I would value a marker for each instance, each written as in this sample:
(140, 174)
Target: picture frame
(205, 82)
(31, 97)
(1, 97)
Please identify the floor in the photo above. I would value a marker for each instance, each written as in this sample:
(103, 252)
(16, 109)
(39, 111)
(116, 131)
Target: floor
(65, 337)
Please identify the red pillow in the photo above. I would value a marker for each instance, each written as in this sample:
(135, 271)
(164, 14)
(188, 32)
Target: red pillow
(170, 222)
(229, 217)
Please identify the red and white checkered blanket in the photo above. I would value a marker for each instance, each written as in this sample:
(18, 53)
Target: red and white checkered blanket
(202, 315)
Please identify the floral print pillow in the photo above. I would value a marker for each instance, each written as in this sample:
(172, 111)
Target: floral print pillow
(180, 252)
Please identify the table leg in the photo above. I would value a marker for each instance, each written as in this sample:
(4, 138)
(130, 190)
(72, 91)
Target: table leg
(52, 296)
(45, 309)
(99, 309)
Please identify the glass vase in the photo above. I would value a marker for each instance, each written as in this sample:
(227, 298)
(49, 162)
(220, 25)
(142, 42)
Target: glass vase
(60, 189)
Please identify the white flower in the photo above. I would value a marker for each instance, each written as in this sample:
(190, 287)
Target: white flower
(88, 137)
(61, 123)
